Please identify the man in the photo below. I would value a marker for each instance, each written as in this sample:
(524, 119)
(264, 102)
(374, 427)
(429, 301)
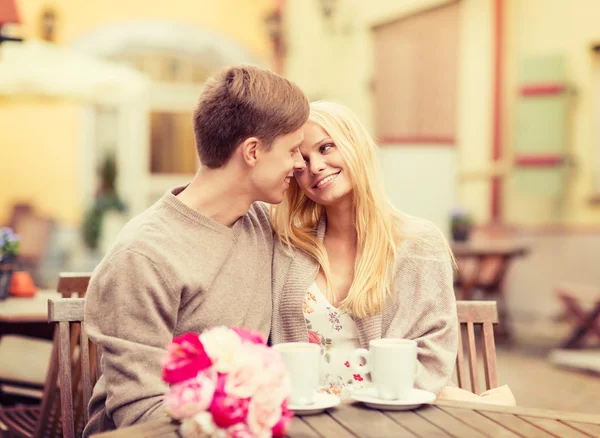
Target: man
(201, 256)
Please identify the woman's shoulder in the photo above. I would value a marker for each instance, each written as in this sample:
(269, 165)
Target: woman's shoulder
(418, 237)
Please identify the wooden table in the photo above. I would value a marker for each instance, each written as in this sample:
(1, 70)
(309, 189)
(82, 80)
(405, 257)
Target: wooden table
(27, 309)
(498, 254)
(482, 266)
(444, 419)
(27, 316)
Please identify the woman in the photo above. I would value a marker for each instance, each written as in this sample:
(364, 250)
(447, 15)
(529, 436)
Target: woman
(349, 268)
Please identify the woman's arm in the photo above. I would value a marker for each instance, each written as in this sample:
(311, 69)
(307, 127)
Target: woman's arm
(423, 307)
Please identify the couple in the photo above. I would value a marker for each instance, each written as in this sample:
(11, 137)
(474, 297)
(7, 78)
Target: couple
(333, 262)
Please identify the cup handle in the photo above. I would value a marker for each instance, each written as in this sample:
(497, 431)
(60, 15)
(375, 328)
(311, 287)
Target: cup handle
(361, 353)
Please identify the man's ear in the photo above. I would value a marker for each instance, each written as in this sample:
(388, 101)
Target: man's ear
(251, 150)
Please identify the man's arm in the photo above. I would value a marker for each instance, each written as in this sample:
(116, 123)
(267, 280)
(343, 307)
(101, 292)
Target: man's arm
(131, 312)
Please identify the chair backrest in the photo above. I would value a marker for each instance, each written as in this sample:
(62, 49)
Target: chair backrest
(473, 314)
(77, 363)
(73, 284)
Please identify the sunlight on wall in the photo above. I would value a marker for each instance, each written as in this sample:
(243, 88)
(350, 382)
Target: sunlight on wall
(40, 157)
(50, 129)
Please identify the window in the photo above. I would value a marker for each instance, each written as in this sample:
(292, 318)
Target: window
(416, 77)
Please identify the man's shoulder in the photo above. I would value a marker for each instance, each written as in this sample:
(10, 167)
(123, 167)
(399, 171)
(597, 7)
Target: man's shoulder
(260, 216)
(147, 234)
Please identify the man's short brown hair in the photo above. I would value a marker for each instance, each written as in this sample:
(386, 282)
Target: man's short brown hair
(241, 102)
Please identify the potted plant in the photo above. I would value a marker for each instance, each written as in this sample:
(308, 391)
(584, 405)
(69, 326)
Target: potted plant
(461, 224)
(9, 251)
(107, 199)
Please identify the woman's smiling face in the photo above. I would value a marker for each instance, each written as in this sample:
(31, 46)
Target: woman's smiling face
(326, 179)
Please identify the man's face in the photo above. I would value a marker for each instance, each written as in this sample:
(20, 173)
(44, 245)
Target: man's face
(275, 168)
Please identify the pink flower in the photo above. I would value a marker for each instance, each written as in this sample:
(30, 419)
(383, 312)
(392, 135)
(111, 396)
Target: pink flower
(313, 338)
(263, 413)
(250, 335)
(222, 346)
(227, 409)
(281, 428)
(239, 430)
(188, 398)
(184, 359)
(249, 373)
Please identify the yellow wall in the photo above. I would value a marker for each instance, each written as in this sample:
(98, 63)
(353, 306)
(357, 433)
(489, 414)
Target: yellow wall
(335, 62)
(40, 157)
(333, 58)
(49, 129)
(239, 19)
(568, 28)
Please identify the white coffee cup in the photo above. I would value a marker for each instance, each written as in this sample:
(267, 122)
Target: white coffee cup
(302, 360)
(392, 364)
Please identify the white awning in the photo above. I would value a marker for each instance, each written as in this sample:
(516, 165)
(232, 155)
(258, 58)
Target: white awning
(43, 69)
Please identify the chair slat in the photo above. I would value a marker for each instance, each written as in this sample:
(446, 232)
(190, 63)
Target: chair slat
(66, 309)
(472, 358)
(461, 370)
(46, 418)
(480, 313)
(85, 364)
(477, 311)
(66, 397)
(50, 398)
(77, 363)
(94, 363)
(73, 284)
(32, 414)
(55, 426)
(20, 420)
(489, 356)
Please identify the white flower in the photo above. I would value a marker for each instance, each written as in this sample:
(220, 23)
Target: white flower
(222, 345)
(201, 426)
(263, 414)
(247, 373)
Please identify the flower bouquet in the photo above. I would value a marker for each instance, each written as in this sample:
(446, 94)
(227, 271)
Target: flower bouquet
(226, 383)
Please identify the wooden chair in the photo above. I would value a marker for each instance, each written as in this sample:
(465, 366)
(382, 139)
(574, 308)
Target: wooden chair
(78, 363)
(16, 350)
(473, 314)
(44, 420)
(581, 304)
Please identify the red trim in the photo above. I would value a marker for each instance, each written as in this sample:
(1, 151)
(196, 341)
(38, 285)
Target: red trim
(539, 160)
(548, 89)
(8, 12)
(496, 186)
(449, 141)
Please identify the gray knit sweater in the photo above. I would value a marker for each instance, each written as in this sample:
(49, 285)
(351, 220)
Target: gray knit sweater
(171, 271)
(422, 307)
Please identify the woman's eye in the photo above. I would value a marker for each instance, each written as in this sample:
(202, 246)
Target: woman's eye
(326, 147)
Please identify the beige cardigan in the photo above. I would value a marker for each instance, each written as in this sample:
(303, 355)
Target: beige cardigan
(422, 307)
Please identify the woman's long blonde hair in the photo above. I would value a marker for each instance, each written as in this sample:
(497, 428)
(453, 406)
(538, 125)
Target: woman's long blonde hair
(296, 219)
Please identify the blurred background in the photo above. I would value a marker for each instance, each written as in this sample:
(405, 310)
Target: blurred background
(486, 112)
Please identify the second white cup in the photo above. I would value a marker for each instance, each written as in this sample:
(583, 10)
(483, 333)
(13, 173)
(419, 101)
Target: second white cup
(302, 360)
(392, 364)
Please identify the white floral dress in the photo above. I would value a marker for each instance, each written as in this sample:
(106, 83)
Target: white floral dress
(336, 332)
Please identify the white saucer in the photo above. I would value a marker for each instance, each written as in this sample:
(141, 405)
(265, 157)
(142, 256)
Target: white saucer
(323, 402)
(369, 397)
